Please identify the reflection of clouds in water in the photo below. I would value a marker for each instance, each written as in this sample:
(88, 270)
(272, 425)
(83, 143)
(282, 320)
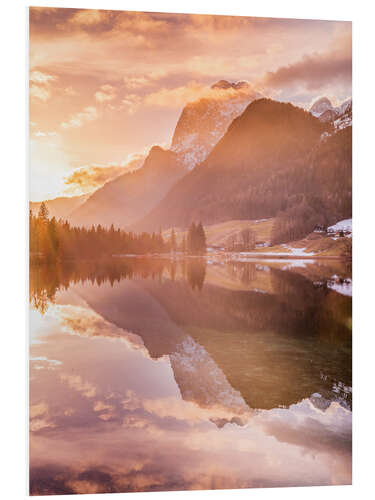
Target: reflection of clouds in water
(43, 363)
(75, 382)
(41, 326)
(327, 434)
(140, 446)
(304, 425)
(39, 417)
(38, 409)
(211, 395)
(141, 455)
(109, 403)
(78, 320)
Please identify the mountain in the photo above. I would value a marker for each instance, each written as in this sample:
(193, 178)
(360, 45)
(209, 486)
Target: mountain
(320, 106)
(339, 116)
(203, 122)
(344, 118)
(257, 169)
(126, 199)
(61, 207)
(130, 196)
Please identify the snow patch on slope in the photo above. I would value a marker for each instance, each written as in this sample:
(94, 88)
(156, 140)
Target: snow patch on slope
(342, 225)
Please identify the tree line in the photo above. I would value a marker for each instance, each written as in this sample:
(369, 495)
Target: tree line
(53, 240)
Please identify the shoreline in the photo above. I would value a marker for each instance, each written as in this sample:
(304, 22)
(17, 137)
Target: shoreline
(214, 256)
(236, 256)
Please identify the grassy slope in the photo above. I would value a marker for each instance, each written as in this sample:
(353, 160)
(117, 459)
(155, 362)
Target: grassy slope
(323, 246)
(319, 245)
(217, 234)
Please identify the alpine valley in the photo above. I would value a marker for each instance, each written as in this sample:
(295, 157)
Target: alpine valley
(235, 156)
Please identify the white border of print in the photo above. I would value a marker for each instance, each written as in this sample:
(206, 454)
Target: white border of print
(14, 234)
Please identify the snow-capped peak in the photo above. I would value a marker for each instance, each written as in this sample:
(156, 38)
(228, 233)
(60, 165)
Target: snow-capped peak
(340, 116)
(202, 123)
(320, 106)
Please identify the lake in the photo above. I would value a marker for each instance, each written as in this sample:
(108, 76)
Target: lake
(149, 375)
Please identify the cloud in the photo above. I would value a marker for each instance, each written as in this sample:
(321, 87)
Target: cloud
(106, 93)
(40, 85)
(134, 82)
(179, 96)
(314, 71)
(140, 81)
(130, 103)
(88, 17)
(41, 78)
(69, 91)
(77, 120)
(91, 177)
(38, 133)
(40, 93)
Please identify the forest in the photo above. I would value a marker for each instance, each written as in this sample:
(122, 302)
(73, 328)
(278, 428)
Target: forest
(53, 240)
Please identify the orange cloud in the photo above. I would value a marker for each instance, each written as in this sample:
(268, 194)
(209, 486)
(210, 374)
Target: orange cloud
(40, 93)
(131, 103)
(41, 78)
(88, 17)
(69, 91)
(179, 96)
(40, 85)
(86, 179)
(77, 120)
(106, 93)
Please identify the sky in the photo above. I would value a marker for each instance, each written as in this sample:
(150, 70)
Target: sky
(105, 86)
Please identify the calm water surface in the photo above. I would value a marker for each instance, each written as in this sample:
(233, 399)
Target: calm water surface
(154, 375)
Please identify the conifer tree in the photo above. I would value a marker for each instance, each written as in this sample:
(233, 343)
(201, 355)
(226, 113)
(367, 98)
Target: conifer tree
(183, 244)
(172, 242)
(201, 239)
(43, 212)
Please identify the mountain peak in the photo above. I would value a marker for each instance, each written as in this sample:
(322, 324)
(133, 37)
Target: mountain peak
(321, 105)
(156, 150)
(221, 84)
(224, 84)
(202, 123)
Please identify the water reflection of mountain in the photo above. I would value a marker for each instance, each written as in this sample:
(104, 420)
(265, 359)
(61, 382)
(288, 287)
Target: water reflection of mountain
(276, 349)
(233, 347)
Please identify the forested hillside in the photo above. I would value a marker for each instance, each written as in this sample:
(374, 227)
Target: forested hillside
(275, 159)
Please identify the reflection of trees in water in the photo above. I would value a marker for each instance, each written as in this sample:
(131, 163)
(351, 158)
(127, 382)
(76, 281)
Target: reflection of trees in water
(309, 309)
(46, 280)
(245, 272)
(196, 272)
